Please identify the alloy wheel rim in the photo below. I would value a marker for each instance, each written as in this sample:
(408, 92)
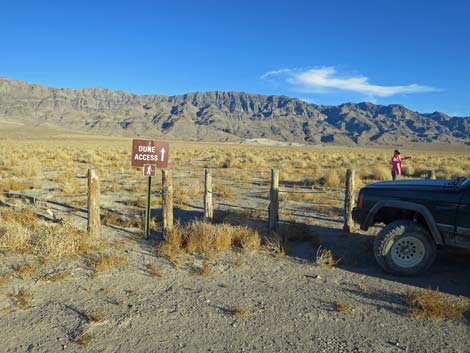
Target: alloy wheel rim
(407, 252)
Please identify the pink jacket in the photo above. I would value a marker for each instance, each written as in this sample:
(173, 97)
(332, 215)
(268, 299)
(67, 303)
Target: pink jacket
(396, 163)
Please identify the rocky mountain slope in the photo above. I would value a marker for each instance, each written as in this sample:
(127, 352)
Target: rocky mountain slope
(224, 116)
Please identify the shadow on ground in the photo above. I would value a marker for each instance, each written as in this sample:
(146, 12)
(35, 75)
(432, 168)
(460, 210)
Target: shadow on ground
(449, 274)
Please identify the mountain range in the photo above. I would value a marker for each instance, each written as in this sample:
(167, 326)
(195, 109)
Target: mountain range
(224, 116)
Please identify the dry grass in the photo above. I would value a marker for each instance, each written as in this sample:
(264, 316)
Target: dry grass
(299, 232)
(342, 308)
(107, 261)
(15, 185)
(97, 316)
(140, 187)
(5, 278)
(325, 258)
(21, 299)
(24, 233)
(239, 311)
(26, 271)
(274, 244)
(208, 239)
(29, 168)
(238, 261)
(68, 183)
(334, 179)
(428, 303)
(154, 271)
(224, 192)
(58, 277)
(204, 270)
(84, 339)
(114, 218)
(378, 172)
(180, 196)
(361, 284)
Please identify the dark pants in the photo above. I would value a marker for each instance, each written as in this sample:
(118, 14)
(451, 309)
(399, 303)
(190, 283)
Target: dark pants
(395, 175)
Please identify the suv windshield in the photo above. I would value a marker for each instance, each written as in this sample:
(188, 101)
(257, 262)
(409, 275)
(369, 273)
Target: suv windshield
(460, 181)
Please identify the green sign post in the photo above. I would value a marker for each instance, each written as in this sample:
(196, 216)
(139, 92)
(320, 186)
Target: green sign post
(147, 208)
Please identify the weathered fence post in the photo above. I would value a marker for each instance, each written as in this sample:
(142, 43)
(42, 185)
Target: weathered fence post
(432, 174)
(167, 201)
(208, 207)
(93, 224)
(348, 200)
(273, 210)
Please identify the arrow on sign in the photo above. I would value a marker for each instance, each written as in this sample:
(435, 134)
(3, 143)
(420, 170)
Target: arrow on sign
(162, 153)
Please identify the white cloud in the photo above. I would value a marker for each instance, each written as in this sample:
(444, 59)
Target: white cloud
(326, 79)
(276, 73)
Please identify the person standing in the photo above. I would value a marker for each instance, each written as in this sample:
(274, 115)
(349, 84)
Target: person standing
(396, 164)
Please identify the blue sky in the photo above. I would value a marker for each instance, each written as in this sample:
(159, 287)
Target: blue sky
(415, 53)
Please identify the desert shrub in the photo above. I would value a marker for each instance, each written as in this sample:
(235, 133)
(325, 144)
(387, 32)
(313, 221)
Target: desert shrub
(15, 185)
(450, 172)
(31, 168)
(408, 170)
(333, 179)
(378, 172)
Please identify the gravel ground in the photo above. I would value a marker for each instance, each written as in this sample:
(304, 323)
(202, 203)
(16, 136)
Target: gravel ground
(285, 304)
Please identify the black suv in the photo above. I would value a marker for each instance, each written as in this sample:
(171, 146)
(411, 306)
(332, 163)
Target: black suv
(419, 216)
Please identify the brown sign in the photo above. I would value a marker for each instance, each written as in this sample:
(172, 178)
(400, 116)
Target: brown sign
(149, 152)
(149, 170)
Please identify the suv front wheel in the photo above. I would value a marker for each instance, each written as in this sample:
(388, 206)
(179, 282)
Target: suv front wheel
(404, 248)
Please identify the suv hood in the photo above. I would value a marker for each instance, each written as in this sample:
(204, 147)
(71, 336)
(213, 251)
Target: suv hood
(412, 183)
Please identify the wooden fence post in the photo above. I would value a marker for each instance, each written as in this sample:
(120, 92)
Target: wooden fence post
(167, 201)
(273, 210)
(432, 174)
(208, 206)
(93, 224)
(348, 200)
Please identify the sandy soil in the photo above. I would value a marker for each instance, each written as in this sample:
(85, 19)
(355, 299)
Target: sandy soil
(290, 304)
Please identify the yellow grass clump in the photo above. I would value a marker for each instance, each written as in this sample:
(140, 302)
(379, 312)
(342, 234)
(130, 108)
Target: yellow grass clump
(238, 311)
(428, 303)
(30, 168)
(26, 271)
(274, 244)
(380, 172)
(342, 308)
(15, 185)
(96, 315)
(84, 339)
(22, 232)
(107, 261)
(22, 299)
(4, 278)
(154, 271)
(325, 258)
(208, 239)
(334, 179)
(204, 270)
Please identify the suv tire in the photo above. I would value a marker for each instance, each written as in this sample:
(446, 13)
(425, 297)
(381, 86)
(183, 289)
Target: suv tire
(404, 248)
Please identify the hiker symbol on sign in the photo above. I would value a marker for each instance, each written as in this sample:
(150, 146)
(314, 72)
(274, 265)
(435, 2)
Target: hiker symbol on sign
(149, 170)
